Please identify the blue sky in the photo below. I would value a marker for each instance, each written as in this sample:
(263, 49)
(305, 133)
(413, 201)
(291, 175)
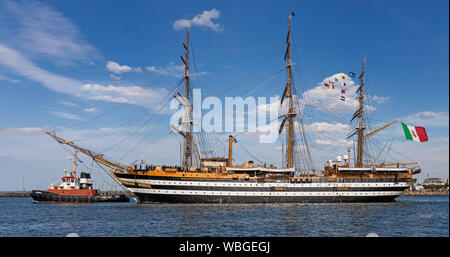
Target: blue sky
(54, 73)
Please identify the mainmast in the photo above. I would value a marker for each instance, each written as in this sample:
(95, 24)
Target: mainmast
(187, 106)
(288, 117)
(361, 125)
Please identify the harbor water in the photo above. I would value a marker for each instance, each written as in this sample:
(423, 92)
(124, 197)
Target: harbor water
(408, 216)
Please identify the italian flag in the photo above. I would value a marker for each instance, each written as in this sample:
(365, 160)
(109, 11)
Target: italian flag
(414, 133)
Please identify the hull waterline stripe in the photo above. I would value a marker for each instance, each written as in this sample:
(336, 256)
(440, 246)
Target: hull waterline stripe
(264, 185)
(237, 193)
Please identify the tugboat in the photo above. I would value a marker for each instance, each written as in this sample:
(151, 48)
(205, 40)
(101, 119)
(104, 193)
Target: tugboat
(75, 189)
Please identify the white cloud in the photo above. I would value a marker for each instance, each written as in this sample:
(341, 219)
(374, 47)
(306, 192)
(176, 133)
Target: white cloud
(126, 94)
(7, 78)
(67, 103)
(339, 142)
(427, 118)
(91, 110)
(115, 77)
(20, 64)
(122, 94)
(40, 29)
(329, 99)
(201, 20)
(174, 70)
(328, 128)
(170, 70)
(108, 98)
(66, 115)
(117, 68)
(379, 99)
(121, 90)
(20, 131)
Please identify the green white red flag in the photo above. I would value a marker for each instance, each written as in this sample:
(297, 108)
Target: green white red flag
(415, 133)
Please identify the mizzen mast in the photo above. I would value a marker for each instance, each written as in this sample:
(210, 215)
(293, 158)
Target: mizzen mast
(361, 125)
(359, 130)
(288, 117)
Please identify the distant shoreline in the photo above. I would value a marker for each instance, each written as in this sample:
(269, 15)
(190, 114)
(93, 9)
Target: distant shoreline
(407, 193)
(423, 193)
(14, 194)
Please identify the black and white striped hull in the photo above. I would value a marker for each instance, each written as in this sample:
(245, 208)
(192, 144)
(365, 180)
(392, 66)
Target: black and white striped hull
(180, 191)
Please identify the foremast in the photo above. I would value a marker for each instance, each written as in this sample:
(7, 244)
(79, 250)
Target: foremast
(188, 107)
(189, 146)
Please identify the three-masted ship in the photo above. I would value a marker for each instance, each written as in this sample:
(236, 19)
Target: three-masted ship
(217, 180)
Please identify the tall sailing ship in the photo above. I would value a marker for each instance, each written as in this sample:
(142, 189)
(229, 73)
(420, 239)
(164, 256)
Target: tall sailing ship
(217, 180)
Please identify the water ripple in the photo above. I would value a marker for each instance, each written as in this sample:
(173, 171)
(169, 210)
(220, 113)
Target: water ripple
(421, 216)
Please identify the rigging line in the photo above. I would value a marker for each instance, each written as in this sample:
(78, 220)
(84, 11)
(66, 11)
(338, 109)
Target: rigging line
(329, 114)
(136, 130)
(69, 152)
(222, 147)
(404, 156)
(205, 141)
(154, 114)
(381, 150)
(301, 128)
(400, 154)
(260, 85)
(122, 127)
(308, 160)
(220, 144)
(304, 129)
(236, 156)
(153, 147)
(141, 140)
(253, 156)
(151, 118)
(251, 74)
(329, 151)
(264, 82)
(297, 59)
(387, 152)
(202, 142)
(98, 116)
(130, 122)
(126, 189)
(196, 74)
(151, 83)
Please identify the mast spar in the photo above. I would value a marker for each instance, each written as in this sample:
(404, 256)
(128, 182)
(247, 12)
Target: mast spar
(187, 106)
(288, 117)
(361, 125)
